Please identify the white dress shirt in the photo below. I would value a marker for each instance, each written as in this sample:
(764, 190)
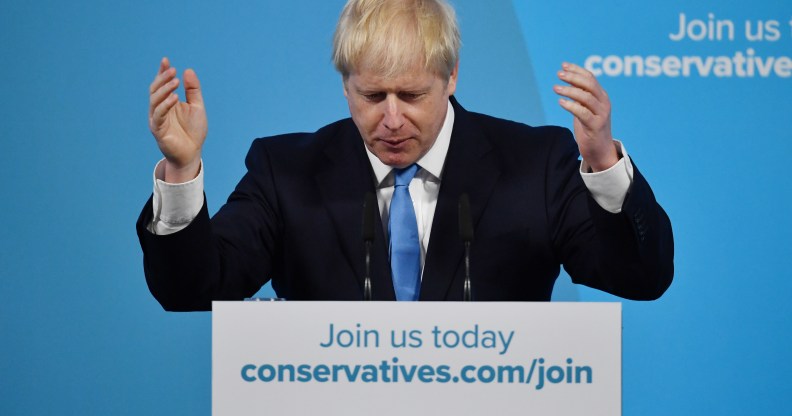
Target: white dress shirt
(176, 205)
(424, 188)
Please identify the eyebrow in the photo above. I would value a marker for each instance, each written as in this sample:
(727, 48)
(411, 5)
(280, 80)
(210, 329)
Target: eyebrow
(420, 90)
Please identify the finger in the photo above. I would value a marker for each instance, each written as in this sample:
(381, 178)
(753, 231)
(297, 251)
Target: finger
(192, 88)
(158, 115)
(583, 97)
(578, 80)
(162, 93)
(576, 109)
(583, 79)
(577, 69)
(162, 78)
(164, 64)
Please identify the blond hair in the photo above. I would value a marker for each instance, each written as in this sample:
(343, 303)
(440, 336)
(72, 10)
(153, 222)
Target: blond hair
(390, 37)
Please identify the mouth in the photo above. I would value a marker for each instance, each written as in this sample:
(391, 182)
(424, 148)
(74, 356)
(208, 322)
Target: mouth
(395, 142)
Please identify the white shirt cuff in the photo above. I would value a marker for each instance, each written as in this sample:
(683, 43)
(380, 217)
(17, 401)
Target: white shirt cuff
(175, 204)
(609, 187)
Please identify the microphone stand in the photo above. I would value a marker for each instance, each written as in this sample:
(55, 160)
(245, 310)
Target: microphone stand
(466, 235)
(467, 296)
(369, 215)
(367, 277)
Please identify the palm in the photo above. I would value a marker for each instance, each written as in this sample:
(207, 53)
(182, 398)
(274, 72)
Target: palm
(587, 135)
(178, 126)
(182, 132)
(589, 104)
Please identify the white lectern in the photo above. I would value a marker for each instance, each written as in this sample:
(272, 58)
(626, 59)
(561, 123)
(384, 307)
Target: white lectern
(416, 358)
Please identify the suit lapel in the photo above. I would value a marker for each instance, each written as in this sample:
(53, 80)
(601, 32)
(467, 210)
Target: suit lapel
(470, 167)
(343, 181)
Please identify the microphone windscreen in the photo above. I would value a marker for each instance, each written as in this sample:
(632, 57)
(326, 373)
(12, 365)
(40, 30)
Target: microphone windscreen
(465, 220)
(369, 216)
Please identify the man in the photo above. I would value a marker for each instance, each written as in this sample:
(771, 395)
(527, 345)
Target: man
(295, 216)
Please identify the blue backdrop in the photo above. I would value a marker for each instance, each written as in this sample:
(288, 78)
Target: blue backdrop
(80, 334)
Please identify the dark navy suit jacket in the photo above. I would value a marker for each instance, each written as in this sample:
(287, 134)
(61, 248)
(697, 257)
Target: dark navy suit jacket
(295, 218)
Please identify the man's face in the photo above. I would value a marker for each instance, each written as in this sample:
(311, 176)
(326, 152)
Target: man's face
(400, 117)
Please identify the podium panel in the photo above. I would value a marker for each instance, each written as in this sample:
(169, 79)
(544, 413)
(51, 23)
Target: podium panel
(416, 358)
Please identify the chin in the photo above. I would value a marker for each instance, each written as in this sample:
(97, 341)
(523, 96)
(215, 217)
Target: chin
(396, 160)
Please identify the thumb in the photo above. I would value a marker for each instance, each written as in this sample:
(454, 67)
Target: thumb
(192, 88)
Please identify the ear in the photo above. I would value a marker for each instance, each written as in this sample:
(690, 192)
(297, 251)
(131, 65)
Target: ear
(344, 83)
(452, 80)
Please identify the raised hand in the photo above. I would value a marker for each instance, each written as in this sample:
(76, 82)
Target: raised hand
(179, 127)
(591, 108)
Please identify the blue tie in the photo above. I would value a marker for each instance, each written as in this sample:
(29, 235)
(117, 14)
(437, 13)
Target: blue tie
(405, 251)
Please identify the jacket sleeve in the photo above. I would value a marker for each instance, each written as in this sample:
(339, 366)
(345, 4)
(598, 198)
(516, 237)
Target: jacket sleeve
(629, 254)
(226, 258)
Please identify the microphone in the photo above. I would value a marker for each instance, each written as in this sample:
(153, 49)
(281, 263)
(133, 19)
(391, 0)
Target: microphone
(466, 235)
(369, 218)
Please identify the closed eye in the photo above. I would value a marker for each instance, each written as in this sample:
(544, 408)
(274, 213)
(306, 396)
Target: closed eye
(410, 96)
(374, 97)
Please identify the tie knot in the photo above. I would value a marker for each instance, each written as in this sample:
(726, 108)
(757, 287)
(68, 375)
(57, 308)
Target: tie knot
(403, 176)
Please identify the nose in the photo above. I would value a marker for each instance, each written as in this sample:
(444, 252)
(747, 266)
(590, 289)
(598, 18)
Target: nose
(393, 119)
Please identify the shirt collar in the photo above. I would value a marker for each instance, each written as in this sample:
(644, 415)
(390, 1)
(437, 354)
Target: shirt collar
(432, 162)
